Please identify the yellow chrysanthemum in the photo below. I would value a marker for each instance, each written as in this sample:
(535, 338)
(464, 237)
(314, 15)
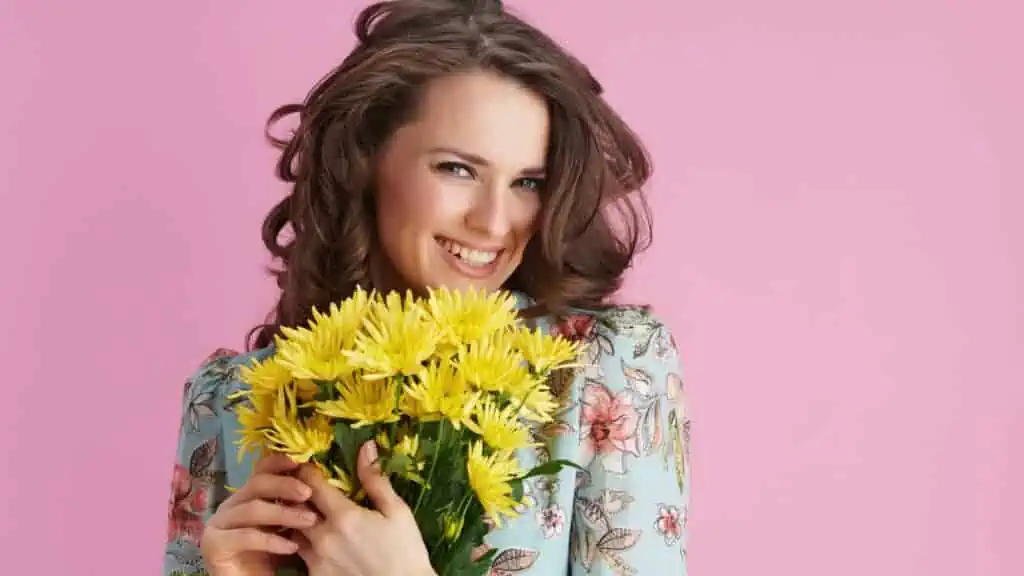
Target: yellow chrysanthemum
(409, 447)
(266, 376)
(534, 400)
(254, 418)
(414, 409)
(467, 316)
(408, 444)
(492, 365)
(345, 320)
(336, 477)
(543, 351)
(270, 377)
(396, 339)
(300, 440)
(313, 354)
(440, 391)
(490, 477)
(363, 402)
(500, 428)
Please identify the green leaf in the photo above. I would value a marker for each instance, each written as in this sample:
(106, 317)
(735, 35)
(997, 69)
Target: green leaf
(517, 489)
(459, 561)
(427, 447)
(474, 529)
(325, 390)
(348, 440)
(487, 558)
(550, 468)
(467, 567)
(482, 566)
(397, 464)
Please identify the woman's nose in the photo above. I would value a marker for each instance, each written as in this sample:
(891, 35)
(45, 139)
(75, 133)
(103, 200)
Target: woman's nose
(489, 213)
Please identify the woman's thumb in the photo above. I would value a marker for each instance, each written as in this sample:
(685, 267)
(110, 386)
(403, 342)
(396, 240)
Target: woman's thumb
(376, 485)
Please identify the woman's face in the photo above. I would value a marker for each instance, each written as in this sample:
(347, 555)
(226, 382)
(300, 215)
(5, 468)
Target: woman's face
(459, 188)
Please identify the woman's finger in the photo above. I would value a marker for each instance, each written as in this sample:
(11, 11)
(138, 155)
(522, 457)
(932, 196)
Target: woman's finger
(330, 501)
(268, 487)
(273, 487)
(274, 464)
(262, 513)
(256, 540)
(376, 485)
(304, 547)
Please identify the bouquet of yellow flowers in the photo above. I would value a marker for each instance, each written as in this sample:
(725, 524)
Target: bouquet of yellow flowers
(450, 386)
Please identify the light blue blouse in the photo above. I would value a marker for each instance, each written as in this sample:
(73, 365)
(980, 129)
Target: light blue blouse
(624, 419)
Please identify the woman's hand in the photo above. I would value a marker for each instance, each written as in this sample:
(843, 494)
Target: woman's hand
(355, 541)
(241, 539)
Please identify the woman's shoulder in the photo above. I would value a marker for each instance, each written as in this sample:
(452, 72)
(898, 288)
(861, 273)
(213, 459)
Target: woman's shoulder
(218, 374)
(207, 412)
(631, 330)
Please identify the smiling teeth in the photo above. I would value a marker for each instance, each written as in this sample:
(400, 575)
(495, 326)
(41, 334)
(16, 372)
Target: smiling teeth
(469, 255)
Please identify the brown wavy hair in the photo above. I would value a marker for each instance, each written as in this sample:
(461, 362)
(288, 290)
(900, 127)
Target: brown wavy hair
(322, 234)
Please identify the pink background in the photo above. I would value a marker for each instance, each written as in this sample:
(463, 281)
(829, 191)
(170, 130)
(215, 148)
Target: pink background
(841, 252)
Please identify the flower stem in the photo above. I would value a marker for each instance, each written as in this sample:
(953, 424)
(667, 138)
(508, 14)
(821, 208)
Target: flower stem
(464, 505)
(433, 465)
(393, 426)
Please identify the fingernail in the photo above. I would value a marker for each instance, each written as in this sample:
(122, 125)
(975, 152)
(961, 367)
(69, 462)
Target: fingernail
(371, 452)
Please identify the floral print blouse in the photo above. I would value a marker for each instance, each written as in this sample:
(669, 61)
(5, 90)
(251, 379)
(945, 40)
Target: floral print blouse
(623, 418)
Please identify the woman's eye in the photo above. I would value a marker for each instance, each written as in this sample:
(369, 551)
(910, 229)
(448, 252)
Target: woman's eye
(530, 183)
(455, 169)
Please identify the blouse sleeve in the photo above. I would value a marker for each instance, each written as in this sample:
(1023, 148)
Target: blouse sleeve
(198, 477)
(631, 503)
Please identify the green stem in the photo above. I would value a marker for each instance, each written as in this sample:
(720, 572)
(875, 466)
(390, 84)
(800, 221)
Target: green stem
(464, 506)
(433, 465)
(393, 426)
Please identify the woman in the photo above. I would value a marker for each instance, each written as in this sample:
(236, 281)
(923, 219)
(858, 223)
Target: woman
(455, 146)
